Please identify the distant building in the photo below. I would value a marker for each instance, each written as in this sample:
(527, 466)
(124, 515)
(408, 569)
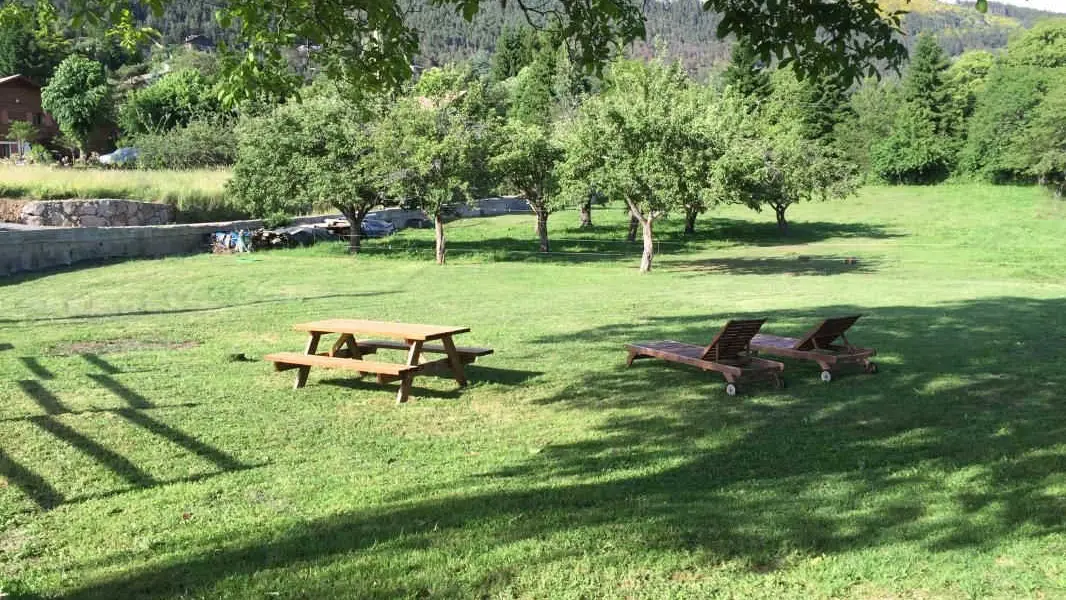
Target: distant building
(200, 43)
(20, 100)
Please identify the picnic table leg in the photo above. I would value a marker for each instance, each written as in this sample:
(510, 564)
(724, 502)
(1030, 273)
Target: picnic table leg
(303, 372)
(455, 360)
(413, 356)
(341, 343)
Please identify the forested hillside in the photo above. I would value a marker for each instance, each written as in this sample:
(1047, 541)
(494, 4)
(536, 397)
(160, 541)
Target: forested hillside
(681, 27)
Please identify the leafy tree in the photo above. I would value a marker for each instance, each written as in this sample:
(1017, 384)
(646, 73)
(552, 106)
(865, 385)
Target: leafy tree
(965, 79)
(79, 98)
(173, 101)
(643, 140)
(527, 160)
(913, 153)
(747, 74)
(1043, 46)
(108, 51)
(21, 132)
(320, 153)
(773, 161)
(869, 121)
(31, 43)
(436, 141)
(371, 43)
(1039, 149)
(1003, 109)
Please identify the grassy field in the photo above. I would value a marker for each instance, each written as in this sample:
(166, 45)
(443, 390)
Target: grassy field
(197, 194)
(139, 460)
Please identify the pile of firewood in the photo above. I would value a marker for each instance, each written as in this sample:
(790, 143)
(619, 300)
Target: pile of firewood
(268, 239)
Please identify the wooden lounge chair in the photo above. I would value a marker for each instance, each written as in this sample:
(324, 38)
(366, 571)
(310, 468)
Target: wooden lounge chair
(819, 345)
(728, 353)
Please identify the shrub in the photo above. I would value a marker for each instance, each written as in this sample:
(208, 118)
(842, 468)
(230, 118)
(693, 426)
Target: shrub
(173, 101)
(197, 145)
(39, 155)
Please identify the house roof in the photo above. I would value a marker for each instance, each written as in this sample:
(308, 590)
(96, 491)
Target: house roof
(19, 78)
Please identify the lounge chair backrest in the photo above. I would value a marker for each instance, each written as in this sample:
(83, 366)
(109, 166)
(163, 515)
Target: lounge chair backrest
(826, 332)
(732, 340)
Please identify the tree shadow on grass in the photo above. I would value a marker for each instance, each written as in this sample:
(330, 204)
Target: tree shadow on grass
(371, 385)
(957, 443)
(801, 265)
(179, 311)
(608, 243)
(475, 374)
(761, 233)
(46, 496)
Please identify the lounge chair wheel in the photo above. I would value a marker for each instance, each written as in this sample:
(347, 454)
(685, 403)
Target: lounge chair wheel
(730, 389)
(871, 367)
(827, 376)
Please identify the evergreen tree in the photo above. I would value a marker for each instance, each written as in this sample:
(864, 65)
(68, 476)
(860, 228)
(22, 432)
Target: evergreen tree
(924, 140)
(747, 74)
(514, 50)
(924, 87)
(31, 43)
(532, 100)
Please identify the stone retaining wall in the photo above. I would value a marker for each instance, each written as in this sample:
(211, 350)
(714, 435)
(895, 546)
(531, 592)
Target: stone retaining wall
(95, 213)
(39, 249)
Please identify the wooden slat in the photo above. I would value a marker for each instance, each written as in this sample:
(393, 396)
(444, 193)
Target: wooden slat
(321, 360)
(433, 348)
(763, 340)
(404, 331)
(733, 340)
(826, 332)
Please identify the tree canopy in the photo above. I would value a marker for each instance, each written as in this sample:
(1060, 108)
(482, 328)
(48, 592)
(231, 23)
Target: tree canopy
(371, 42)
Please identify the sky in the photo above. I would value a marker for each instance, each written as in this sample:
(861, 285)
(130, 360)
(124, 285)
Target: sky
(1052, 5)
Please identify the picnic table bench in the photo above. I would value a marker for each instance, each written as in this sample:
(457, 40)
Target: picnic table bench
(348, 353)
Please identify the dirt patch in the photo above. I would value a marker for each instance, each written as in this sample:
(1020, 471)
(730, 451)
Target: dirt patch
(117, 346)
(11, 210)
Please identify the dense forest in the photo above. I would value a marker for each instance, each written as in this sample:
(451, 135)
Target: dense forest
(681, 27)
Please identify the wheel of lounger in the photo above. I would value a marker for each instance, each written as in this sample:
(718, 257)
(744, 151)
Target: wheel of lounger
(827, 376)
(730, 389)
(870, 367)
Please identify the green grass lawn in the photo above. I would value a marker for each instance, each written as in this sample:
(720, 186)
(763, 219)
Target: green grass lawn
(137, 460)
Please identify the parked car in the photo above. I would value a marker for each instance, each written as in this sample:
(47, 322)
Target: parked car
(122, 156)
(373, 227)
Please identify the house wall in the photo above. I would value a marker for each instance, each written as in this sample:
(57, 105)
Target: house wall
(21, 101)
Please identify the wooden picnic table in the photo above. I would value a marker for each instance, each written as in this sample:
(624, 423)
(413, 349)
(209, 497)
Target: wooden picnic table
(348, 352)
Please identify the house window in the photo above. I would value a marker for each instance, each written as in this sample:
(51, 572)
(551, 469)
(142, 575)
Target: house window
(3, 117)
(38, 119)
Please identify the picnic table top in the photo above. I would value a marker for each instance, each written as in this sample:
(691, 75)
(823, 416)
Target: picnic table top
(406, 331)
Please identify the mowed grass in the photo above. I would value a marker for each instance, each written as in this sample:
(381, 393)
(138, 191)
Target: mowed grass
(198, 194)
(138, 460)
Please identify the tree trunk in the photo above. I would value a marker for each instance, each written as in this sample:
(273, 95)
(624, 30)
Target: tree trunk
(634, 224)
(782, 223)
(542, 230)
(691, 212)
(586, 215)
(438, 222)
(355, 218)
(649, 247)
